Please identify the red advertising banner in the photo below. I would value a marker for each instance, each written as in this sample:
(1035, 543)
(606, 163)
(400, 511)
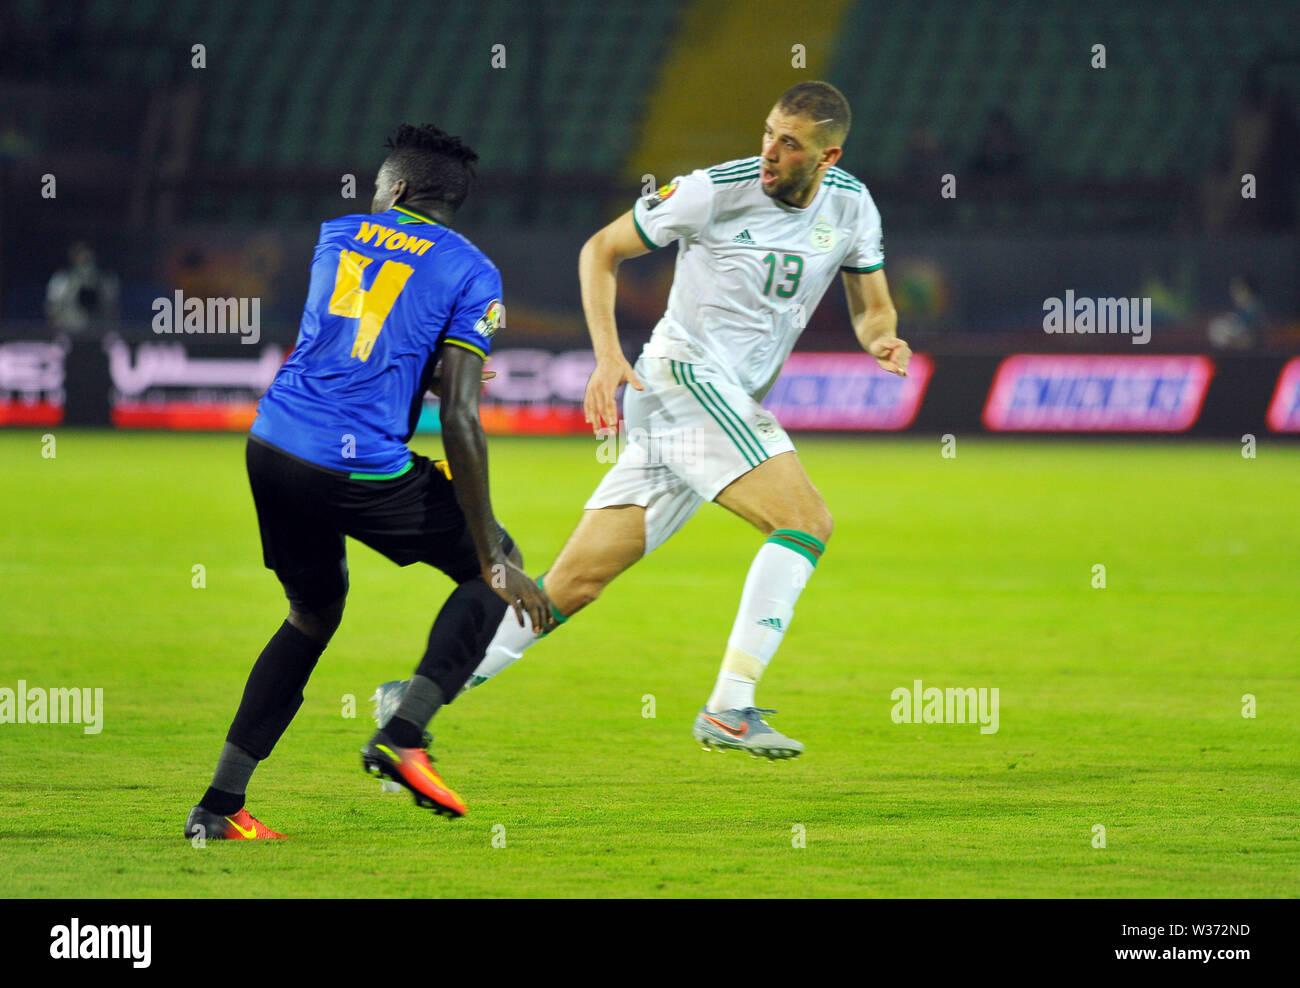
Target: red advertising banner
(165, 385)
(31, 383)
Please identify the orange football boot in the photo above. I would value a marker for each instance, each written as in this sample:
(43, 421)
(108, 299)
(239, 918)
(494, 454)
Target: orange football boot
(410, 767)
(238, 826)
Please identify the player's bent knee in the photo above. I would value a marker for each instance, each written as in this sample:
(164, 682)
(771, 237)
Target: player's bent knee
(815, 522)
(319, 624)
(822, 526)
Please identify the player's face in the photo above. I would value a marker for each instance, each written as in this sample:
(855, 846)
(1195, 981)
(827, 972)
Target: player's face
(792, 158)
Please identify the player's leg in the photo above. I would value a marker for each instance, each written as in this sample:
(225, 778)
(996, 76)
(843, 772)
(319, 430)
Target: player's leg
(639, 504)
(635, 510)
(777, 498)
(404, 710)
(457, 640)
(308, 556)
(273, 692)
(748, 465)
(606, 542)
(460, 632)
(271, 698)
(417, 518)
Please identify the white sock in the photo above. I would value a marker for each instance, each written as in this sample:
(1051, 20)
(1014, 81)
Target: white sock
(777, 576)
(506, 648)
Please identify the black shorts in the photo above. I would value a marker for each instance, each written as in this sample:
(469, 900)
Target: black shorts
(305, 511)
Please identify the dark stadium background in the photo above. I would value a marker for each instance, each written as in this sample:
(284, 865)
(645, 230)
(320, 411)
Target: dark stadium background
(1119, 181)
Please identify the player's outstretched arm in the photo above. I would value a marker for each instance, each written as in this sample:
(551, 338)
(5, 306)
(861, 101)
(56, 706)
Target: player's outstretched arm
(466, 448)
(598, 275)
(875, 321)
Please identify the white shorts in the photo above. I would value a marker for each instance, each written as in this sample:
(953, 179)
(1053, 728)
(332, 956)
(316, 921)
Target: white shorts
(689, 434)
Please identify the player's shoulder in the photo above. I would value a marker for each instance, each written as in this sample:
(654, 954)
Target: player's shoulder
(843, 185)
(346, 225)
(463, 249)
(848, 198)
(739, 173)
(702, 185)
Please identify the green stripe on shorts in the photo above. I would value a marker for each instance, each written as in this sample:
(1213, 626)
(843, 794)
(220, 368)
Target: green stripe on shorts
(680, 372)
(742, 429)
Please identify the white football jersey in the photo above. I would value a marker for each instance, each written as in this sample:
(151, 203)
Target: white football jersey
(751, 269)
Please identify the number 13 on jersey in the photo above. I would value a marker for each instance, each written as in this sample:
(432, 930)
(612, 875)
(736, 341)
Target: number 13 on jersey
(370, 306)
(791, 268)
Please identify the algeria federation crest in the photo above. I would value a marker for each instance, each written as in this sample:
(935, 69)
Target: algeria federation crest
(823, 236)
(662, 194)
(493, 318)
(767, 429)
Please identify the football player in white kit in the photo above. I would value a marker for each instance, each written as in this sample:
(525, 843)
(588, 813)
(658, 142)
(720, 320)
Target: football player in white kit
(759, 240)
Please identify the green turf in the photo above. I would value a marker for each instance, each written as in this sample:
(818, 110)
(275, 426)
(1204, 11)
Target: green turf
(1119, 706)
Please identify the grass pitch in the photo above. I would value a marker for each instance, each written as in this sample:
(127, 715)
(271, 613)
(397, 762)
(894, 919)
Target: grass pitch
(1120, 707)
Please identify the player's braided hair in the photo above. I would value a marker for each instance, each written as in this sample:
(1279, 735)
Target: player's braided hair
(435, 164)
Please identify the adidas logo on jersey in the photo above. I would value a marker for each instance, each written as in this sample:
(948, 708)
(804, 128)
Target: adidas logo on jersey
(743, 237)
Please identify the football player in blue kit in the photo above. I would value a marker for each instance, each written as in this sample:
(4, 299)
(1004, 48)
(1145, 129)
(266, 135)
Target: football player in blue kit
(398, 303)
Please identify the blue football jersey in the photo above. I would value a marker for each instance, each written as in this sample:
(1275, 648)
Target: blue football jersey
(387, 290)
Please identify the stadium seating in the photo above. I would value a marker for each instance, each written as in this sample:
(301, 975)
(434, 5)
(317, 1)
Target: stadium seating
(575, 110)
(573, 101)
(1160, 108)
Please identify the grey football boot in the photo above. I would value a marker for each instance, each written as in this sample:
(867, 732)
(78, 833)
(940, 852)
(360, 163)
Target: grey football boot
(744, 730)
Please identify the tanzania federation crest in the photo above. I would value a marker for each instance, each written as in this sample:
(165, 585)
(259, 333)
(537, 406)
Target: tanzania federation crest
(493, 318)
(823, 236)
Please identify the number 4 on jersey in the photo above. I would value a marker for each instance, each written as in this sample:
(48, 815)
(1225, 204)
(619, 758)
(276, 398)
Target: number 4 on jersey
(371, 307)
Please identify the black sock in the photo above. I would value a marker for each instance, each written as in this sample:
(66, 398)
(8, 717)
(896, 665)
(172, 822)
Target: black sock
(404, 733)
(273, 693)
(419, 703)
(222, 803)
(460, 636)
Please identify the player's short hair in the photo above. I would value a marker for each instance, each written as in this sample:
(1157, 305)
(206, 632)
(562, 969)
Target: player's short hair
(435, 164)
(824, 105)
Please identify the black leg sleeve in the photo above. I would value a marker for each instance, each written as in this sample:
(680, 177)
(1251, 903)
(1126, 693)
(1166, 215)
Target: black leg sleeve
(460, 636)
(274, 690)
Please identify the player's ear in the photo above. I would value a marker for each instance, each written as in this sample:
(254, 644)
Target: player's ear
(399, 191)
(831, 156)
